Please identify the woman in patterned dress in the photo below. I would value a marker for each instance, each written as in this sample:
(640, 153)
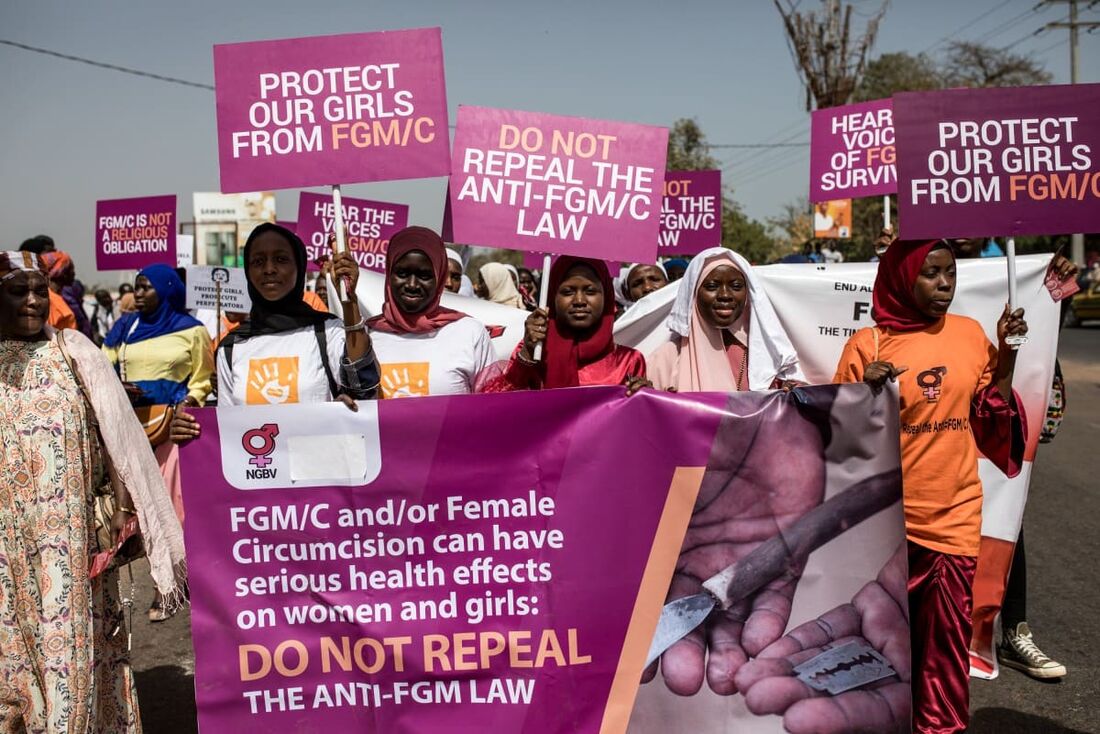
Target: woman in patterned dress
(64, 666)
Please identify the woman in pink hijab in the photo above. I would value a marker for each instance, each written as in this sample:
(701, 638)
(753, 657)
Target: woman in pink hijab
(725, 334)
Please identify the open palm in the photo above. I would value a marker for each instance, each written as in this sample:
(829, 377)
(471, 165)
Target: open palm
(748, 495)
(878, 616)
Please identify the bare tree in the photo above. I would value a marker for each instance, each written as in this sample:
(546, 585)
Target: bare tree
(974, 65)
(829, 60)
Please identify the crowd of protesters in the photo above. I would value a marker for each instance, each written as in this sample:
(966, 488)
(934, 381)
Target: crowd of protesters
(75, 379)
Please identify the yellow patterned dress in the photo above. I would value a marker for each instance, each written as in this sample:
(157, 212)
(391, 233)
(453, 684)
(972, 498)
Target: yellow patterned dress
(63, 661)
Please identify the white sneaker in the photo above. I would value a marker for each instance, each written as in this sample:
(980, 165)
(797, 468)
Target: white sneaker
(1017, 650)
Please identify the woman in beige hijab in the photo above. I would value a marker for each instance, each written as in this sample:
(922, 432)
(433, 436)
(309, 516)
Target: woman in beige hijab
(495, 284)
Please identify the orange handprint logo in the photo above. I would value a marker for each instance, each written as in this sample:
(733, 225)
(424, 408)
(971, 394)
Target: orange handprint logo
(272, 381)
(405, 379)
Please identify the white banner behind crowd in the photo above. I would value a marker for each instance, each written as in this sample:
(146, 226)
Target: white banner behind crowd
(820, 306)
(371, 294)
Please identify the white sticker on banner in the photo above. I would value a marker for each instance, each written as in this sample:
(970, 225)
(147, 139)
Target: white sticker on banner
(335, 458)
(264, 445)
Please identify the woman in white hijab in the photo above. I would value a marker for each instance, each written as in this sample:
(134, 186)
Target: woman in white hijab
(637, 281)
(497, 285)
(457, 281)
(726, 336)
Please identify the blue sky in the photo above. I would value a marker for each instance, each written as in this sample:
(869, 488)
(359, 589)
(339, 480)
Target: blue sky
(72, 134)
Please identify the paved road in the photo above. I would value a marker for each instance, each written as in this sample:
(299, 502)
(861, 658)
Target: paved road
(1063, 531)
(1063, 542)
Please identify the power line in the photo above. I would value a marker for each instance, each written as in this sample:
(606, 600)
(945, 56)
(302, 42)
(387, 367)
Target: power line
(751, 168)
(739, 154)
(964, 26)
(198, 85)
(1051, 47)
(772, 169)
(1011, 23)
(1027, 36)
(758, 145)
(103, 65)
(761, 155)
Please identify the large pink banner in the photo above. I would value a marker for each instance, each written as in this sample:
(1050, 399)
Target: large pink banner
(852, 151)
(368, 227)
(998, 161)
(331, 109)
(131, 234)
(362, 572)
(567, 185)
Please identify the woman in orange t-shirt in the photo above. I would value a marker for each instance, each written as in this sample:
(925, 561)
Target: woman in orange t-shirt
(955, 392)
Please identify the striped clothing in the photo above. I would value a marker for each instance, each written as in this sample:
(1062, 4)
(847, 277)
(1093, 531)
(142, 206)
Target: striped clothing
(168, 368)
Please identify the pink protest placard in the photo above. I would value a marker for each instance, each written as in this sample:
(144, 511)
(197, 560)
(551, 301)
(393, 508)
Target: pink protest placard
(535, 261)
(852, 151)
(568, 185)
(331, 109)
(999, 161)
(131, 234)
(368, 226)
(691, 212)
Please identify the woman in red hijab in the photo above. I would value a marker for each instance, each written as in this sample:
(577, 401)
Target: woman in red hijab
(956, 399)
(578, 349)
(423, 348)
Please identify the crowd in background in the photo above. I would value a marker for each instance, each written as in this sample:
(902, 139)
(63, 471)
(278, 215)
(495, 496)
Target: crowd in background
(155, 360)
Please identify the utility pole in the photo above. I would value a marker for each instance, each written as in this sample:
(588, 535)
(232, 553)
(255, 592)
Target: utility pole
(1077, 246)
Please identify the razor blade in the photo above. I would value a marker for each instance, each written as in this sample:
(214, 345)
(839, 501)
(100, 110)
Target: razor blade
(843, 668)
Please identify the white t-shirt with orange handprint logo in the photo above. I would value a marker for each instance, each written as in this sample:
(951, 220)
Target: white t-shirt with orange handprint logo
(446, 361)
(280, 369)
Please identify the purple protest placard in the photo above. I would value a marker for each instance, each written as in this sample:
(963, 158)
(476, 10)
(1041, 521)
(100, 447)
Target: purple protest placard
(131, 234)
(852, 151)
(368, 227)
(331, 110)
(691, 212)
(998, 161)
(568, 185)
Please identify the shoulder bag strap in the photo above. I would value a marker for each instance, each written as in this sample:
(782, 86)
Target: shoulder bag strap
(76, 376)
(322, 345)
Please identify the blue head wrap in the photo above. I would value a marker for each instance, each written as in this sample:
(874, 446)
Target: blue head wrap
(171, 314)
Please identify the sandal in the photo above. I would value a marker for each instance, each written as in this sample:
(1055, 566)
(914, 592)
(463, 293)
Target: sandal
(157, 612)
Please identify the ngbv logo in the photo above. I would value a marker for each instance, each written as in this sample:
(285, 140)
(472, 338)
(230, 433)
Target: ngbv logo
(260, 443)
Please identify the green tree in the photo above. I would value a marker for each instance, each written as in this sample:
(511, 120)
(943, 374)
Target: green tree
(793, 227)
(898, 72)
(687, 147)
(688, 151)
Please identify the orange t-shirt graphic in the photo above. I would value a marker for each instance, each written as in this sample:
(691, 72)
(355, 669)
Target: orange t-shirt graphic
(272, 381)
(949, 364)
(405, 379)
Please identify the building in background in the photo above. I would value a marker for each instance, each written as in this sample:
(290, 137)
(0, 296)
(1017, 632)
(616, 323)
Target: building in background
(222, 222)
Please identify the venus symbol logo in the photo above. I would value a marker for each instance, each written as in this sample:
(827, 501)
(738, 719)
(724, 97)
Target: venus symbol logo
(930, 382)
(260, 442)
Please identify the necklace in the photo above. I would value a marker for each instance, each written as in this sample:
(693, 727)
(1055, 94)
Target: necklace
(741, 369)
